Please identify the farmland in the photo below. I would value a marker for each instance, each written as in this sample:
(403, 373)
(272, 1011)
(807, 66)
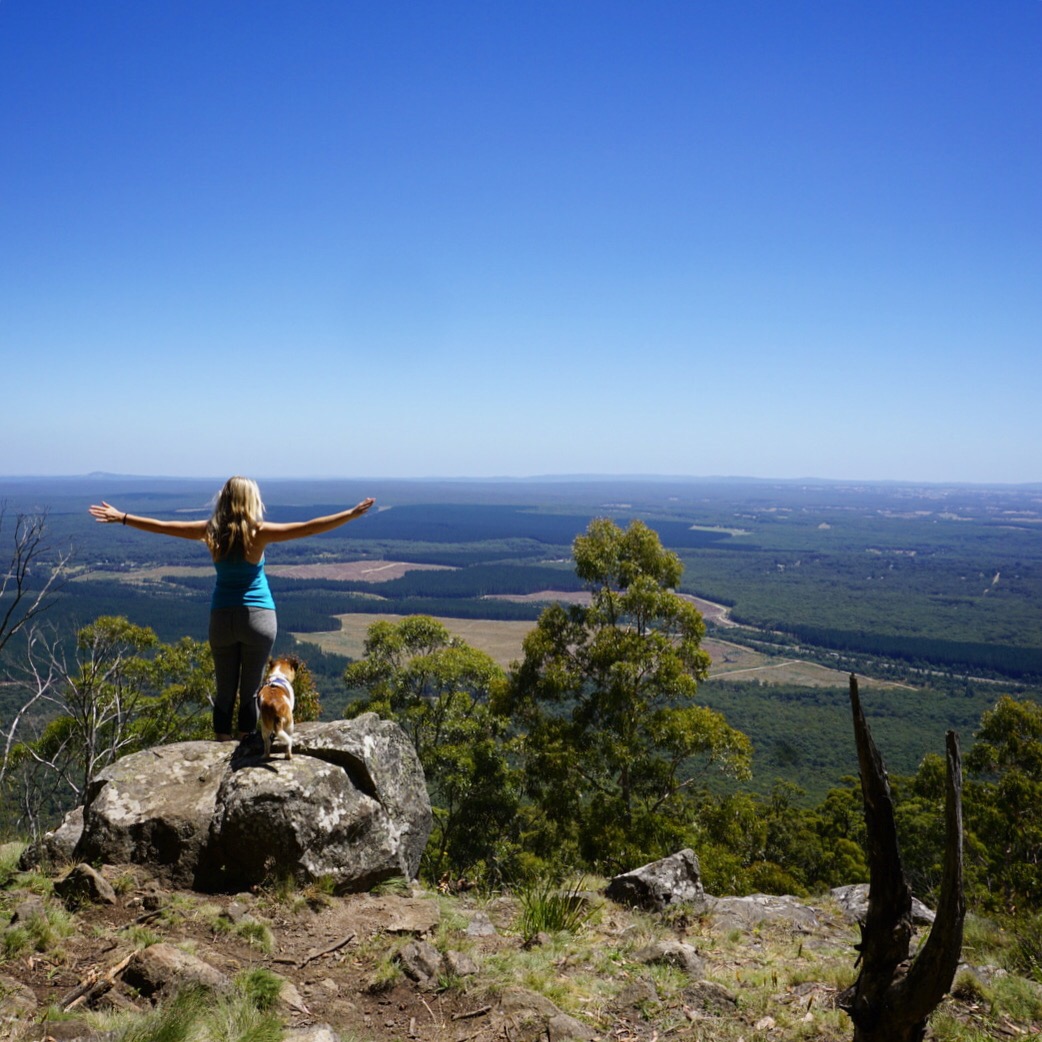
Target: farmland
(929, 593)
(501, 639)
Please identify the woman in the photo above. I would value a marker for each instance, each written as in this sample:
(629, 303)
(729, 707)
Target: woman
(242, 612)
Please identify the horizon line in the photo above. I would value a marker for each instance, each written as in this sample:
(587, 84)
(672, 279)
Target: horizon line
(577, 478)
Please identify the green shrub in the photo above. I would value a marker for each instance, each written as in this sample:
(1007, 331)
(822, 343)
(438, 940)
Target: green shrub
(9, 855)
(195, 1014)
(547, 908)
(1026, 950)
(256, 933)
(260, 987)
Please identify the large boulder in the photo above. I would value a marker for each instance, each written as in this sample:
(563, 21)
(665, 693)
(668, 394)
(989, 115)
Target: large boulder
(154, 808)
(673, 880)
(351, 806)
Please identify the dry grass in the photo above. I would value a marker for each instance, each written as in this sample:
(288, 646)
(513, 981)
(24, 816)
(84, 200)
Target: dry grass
(501, 640)
(781, 976)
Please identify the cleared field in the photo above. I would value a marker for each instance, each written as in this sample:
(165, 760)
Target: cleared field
(738, 663)
(502, 640)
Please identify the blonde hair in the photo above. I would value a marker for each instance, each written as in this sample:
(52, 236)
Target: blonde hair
(236, 517)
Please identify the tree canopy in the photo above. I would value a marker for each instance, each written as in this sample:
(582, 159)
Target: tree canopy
(605, 699)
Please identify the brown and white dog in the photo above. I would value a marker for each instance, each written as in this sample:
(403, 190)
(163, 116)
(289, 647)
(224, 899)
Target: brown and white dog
(275, 704)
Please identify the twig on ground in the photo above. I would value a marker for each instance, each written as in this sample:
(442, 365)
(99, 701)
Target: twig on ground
(94, 985)
(473, 1013)
(329, 949)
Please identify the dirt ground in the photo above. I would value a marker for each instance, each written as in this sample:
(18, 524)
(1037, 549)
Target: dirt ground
(336, 952)
(339, 957)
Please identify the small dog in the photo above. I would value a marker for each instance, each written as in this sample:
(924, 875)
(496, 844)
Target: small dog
(275, 700)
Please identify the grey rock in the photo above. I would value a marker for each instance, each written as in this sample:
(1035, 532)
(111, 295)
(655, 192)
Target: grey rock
(416, 916)
(161, 969)
(655, 886)
(154, 808)
(636, 993)
(708, 997)
(75, 1030)
(382, 763)
(236, 912)
(31, 908)
(56, 847)
(563, 1028)
(290, 996)
(520, 1000)
(420, 961)
(315, 1033)
(746, 912)
(532, 1016)
(673, 953)
(459, 964)
(351, 806)
(480, 926)
(15, 997)
(83, 885)
(853, 902)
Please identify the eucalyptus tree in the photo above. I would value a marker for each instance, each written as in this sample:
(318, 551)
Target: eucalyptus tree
(614, 741)
(119, 691)
(439, 689)
(1004, 804)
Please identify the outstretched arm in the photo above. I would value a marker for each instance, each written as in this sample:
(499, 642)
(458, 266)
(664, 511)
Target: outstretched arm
(270, 532)
(108, 514)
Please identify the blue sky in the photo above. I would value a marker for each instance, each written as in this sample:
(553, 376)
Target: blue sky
(478, 239)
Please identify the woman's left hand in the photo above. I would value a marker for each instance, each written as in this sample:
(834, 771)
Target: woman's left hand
(106, 513)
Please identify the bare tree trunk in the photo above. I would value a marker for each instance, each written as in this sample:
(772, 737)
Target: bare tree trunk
(21, 598)
(892, 998)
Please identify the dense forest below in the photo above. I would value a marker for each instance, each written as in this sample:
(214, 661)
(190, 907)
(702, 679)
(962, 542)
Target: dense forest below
(931, 588)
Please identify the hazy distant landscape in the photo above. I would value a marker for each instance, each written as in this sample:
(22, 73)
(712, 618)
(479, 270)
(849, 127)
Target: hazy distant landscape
(930, 593)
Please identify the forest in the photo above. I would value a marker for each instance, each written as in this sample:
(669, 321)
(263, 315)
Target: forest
(932, 586)
(930, 594)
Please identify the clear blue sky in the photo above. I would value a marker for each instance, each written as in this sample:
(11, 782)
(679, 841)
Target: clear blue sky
(406, 239)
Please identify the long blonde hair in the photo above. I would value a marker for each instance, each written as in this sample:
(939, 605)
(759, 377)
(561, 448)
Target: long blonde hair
(236, 517)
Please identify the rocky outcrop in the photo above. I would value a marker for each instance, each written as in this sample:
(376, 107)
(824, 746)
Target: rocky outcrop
(747, 912)
(351, 807)
(671, 880)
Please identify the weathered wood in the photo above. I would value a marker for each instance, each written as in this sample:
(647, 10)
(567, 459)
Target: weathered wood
(891, 999)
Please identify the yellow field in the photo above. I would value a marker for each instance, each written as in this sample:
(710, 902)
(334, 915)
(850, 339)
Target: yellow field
(502, 640)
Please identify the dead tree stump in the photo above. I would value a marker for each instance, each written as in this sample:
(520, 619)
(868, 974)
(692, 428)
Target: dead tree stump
(893, 996)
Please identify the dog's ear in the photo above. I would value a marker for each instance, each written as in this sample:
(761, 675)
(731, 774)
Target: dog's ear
(295, 662)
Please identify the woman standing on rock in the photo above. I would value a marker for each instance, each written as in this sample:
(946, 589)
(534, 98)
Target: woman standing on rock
(242, 611)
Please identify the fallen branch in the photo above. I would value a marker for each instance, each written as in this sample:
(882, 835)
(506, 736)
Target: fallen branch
(94, 985)
(145, 917)
(473, 1013)
(335, 946)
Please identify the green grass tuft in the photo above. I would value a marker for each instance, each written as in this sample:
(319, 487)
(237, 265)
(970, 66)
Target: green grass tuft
(549, 908)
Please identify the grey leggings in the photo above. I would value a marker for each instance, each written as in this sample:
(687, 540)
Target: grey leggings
(241, 640)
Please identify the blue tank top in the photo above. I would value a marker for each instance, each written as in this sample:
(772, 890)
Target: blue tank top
(241, 584)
